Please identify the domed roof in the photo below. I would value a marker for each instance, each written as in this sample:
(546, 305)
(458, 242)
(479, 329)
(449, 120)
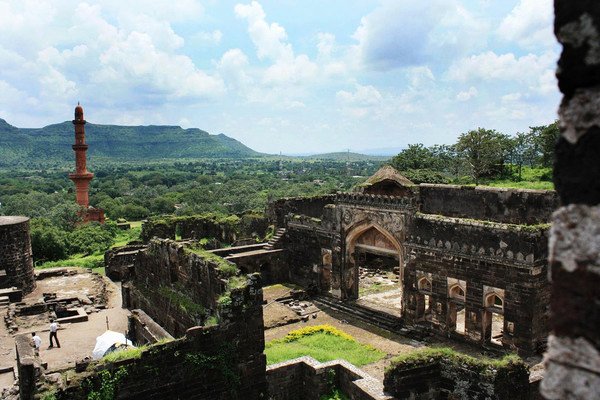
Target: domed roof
(78, 112)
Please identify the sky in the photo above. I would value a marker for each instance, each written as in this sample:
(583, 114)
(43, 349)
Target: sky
(297, 77)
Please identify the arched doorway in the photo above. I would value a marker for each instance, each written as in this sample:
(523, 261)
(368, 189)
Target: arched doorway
(373, 267)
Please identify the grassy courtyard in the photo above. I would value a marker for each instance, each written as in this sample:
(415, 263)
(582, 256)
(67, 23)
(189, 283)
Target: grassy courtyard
(323, 343)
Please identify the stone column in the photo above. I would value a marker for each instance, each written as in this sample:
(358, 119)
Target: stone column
(573, 356)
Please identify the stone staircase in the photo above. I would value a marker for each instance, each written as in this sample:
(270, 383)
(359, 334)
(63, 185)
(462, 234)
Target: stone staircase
(272, 243)
(368, 315)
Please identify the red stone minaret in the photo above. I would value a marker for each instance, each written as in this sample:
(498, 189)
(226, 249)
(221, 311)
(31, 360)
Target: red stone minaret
(82, 176)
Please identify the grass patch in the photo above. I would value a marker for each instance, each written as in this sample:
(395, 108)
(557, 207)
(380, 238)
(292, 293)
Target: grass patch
(335, 395)
(184, 302)
(125, 236)
(323, 343)
(95, 261)
(125, 354)
(376, 287)
(537, 185)
(227, 268)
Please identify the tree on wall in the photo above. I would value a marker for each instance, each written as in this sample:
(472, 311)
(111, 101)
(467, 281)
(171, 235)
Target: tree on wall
(484, 150)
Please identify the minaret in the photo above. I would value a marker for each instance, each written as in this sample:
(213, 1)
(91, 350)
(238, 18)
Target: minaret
(81, 177)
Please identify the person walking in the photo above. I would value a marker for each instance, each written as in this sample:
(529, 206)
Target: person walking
(53, 330)
(37, 342)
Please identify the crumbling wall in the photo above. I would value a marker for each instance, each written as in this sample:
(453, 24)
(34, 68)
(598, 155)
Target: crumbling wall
(309, 206)
(512, 206)
(305, 378)
(16, 262)
(118, 261)
(448, 375)
(141, 329)
(176, 287)
(224, 229)
(163, 228)
(28, 366)
(573, 356)
(220, 362)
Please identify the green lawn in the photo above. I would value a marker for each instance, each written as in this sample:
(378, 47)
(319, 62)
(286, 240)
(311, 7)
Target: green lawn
(94, 261)
(323, 343)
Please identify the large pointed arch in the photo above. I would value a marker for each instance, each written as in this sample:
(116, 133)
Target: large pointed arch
(353, 236)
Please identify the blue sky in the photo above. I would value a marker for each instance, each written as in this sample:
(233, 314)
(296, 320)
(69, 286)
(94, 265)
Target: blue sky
(280, 75)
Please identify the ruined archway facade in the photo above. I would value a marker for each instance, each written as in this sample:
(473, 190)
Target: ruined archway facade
(371, 237)
(452, 245)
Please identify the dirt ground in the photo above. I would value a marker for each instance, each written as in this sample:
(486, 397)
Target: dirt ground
(77, 339)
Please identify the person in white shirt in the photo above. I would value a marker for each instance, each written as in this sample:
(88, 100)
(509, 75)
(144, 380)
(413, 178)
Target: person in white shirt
(53, 329)
(37, 342)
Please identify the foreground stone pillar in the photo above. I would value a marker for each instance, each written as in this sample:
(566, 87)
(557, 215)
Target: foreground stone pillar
(573, 355)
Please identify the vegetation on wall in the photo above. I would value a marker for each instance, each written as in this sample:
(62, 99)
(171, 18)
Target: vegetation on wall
(485, 366)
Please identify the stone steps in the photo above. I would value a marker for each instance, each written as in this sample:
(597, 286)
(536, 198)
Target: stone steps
(370, 316)
(4, 301)
(275, 239)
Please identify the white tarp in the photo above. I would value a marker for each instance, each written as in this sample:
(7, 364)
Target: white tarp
(106, 340)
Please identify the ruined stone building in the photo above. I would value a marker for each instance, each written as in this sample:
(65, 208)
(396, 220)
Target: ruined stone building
(462, 258)
(462, 255)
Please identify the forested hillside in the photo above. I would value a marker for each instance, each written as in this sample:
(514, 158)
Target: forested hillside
(51, 145)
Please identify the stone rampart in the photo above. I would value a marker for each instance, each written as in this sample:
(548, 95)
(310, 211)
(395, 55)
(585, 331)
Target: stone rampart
(511, 206)
(514, 244)
(16, 262)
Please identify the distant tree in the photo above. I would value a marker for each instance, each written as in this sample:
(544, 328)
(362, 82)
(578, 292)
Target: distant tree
(416, 156)
(66, 215)
(91, 238)
(48, 242)
(521, 152)
(544, 139)
(484, 150)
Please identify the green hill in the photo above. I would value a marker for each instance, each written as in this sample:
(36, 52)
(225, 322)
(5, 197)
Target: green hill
(52, 144)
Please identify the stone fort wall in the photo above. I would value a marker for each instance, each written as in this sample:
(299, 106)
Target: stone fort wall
(16, 262)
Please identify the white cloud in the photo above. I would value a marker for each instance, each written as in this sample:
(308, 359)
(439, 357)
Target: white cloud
(402, 33)
(137, 61)
(490, 66)
(210, 38)
(232, 67)
(269, 39)
(529, 24)
(325, 44)
(467, 95)
(363, 96)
